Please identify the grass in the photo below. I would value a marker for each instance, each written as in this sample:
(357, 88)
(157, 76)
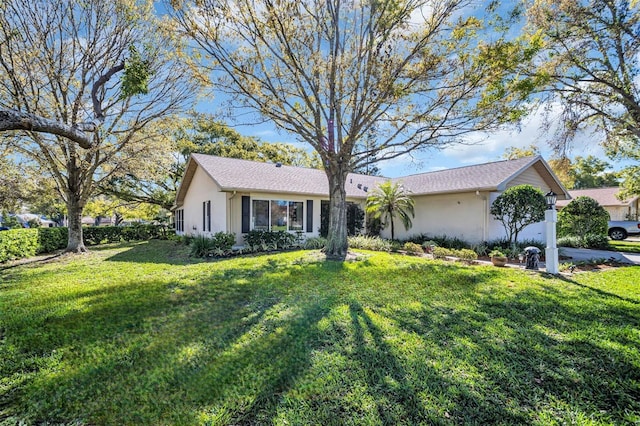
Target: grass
(625, 246)
(140, 334)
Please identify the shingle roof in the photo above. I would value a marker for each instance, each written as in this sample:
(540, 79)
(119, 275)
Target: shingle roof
(488, 176)
(604, 196)
(251, 176)
(243, 175)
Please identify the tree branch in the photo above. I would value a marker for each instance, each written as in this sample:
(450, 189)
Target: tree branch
(16, 120)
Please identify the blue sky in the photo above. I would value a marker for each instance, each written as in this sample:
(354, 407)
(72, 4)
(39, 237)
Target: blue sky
(480, 148)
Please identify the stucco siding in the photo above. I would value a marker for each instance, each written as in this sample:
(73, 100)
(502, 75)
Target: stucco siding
(203, 189)
(454, 215)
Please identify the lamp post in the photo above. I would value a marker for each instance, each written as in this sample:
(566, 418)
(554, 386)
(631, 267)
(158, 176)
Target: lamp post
(551, 217)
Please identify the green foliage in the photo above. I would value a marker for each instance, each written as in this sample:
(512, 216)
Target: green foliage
(467, 255)
(366, 242)
(269, 240)
(52, 239)
(518, 207)
(591, 172)
(496, 253)
(412, 248)
(18, 243)
(135, 79)
(206, 135)
(218, 245)
(315, 243)
(590, 241)
(303, 341)
(21, 243)
(442, 252)
(94, 235)
(11, 221)
(581, 217)
(389, 201)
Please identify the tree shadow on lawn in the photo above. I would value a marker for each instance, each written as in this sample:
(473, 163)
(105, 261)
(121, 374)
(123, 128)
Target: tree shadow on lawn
(241, 346)
(537, 355)
(226, 346)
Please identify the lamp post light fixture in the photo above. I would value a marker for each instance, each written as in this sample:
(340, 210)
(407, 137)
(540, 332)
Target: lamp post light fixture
(551, 218)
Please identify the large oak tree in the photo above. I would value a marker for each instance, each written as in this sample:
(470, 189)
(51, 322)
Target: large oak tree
(79, 82)
(591, 67)
(330, 70)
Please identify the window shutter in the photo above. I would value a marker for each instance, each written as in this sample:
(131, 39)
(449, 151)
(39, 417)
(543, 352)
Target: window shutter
(246, 213)
(204, 216)
(209, 215)
(309, 215)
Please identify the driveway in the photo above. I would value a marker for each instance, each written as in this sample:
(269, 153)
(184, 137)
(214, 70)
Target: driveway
(578, 255)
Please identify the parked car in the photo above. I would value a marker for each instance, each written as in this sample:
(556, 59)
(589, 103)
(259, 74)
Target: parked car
(3, 228)
(621, 229)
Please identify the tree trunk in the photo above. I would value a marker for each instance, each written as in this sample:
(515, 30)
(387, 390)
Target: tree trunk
(74, 211)
(393, 229)
(337, 234)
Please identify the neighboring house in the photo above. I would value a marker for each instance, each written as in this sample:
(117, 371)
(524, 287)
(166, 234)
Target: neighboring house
(606, 197)
(230, 195)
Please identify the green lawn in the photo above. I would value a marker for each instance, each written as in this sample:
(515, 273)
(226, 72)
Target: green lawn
(627, 246)
(139, 334)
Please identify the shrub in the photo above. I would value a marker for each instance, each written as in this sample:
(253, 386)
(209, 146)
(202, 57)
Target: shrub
(201, 246)
(496, 253)
(467, 255)
(223, 240)
(570, 241)
(588, 241)
(518, 207)
(369, 243)
(219, 245)
(18, 243)
(581, 217)
(269, 240)
(442, 252)
(52, 239)
(594, 241)
(315, 243)
(412, 248)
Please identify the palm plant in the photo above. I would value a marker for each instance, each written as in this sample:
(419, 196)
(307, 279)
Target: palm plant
(388, 201)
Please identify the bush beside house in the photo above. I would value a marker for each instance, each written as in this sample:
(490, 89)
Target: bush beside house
(21, 243)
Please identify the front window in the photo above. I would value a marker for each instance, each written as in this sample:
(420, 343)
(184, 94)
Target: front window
(261, 215)
(277, 215)
(295, 215)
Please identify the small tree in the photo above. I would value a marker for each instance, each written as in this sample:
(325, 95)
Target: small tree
(518, 207)
(388, 201)
(581, 217)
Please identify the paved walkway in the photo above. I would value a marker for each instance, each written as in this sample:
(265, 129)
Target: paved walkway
(578, 255)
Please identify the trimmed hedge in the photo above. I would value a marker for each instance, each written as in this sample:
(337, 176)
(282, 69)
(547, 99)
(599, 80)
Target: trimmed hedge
(20, 243)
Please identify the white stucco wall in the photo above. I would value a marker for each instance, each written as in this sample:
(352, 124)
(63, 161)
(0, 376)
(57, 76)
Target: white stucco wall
(203, 188)
(465, 215)
(462, 215)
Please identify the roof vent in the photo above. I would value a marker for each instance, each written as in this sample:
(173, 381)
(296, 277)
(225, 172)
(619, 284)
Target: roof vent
(366, 188)
(359, 186)
(278, 164)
